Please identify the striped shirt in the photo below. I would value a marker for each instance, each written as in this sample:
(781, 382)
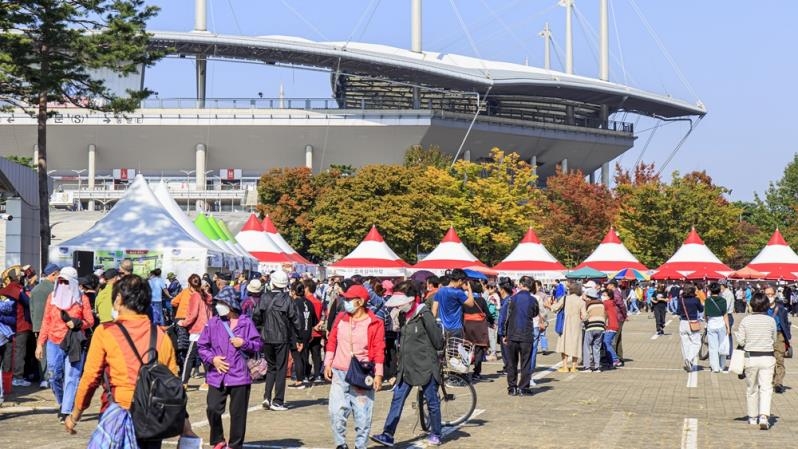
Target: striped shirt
(757, 332)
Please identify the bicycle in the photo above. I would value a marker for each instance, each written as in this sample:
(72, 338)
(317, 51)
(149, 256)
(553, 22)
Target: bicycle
(456, 394)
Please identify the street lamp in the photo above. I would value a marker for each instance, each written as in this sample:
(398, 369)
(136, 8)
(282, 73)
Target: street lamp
(78, 173)
(188, 197)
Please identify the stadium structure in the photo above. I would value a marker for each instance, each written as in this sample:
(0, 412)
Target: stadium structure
(383, 100)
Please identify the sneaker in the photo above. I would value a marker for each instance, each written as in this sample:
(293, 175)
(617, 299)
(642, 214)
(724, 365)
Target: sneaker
(266, 404)
(17, 382)
(687, 365)
(44, 384)
(62, 417)
(297, 386)
(596, 370)
(433, 440)
(512, 391)
(383, 439)
(278, 407)
(764, 422)
(525, 392)
(617, 364)
(753, 421)
(319, 380)
(532, 383)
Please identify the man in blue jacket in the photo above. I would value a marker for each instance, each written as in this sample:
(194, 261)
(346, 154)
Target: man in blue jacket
(779, 311)
(519, 336)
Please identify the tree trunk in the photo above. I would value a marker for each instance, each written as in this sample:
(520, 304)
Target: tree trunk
(44, 194)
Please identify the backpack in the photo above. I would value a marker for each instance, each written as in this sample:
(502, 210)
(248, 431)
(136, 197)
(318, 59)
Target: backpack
(159, 400)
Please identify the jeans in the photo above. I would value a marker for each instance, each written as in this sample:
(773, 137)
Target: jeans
(492, 339)
(157, 313)
(715, 337)
(592, 349)
(533, 356)
(633, 306)
(64, 376)
(400, 393)
(543, 341)
(608, 337)
(759, 389)
(345, 400)
(691, 341)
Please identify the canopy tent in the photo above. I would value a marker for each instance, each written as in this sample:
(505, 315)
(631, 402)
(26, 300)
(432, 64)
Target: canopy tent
(630, 274)
(586, 272)
(372, 257)
(694, 255)
(704, 273)
(667, 274)
(221, 228)
(204, 225)
(530, 258)
(747, 273)
(449, 254)
(140, 228)
(257, 243)
(272, 233)
(777, 260)
(161, 192)
(611, 256)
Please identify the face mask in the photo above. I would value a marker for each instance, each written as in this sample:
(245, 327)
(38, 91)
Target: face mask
(114, 314)
(349, 306)
(404, 308)
(772, 299)
(222, 309)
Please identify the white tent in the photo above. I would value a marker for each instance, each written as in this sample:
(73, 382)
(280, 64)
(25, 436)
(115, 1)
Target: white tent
(263, 248)
(372, 257)
(139, 227)
(161, 192)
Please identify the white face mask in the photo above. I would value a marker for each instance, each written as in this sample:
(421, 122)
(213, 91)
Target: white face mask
(404, 308)
(222, 309)
(114, 314)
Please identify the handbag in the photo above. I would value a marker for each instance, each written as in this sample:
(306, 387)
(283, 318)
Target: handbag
(360, 374)
(559, 325)
(695, 325)
(737, 362)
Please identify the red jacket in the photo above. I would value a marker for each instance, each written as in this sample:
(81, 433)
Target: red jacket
(376, 336)
(316, 308)
(612, 315)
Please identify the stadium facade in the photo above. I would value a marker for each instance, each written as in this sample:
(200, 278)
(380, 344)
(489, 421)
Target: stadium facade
(383, 100)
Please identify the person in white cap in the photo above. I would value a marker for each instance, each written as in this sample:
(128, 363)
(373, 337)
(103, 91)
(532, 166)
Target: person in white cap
(254, 292)
(67, 314)
(421, 338)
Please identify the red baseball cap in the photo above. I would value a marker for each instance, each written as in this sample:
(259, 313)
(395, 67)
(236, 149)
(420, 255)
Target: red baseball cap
(357, 291)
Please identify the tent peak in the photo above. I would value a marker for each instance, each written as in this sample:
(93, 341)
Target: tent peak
(530, 236)
(777, 239)
(693, 238)
(451, 236)
(252, 224)
(611, 236)
(268, 225)
(373, 235)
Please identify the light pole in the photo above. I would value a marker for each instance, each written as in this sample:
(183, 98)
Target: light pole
(78, 173)
(188, 197)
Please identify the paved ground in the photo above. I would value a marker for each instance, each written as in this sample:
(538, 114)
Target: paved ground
(650, 403)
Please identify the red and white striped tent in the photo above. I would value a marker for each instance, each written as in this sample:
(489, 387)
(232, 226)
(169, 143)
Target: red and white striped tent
(372, 257)
(272, 233)
(531, 258)
(263, 248)
(694, 256)
(612, 256)
(449, 254)
(777, 260)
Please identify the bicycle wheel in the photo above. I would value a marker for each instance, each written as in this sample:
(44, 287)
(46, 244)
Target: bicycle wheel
(457, 405)
(703, 353)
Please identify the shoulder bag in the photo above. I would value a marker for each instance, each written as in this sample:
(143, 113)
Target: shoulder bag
(695, 325)
(360, 374)
(559, 325)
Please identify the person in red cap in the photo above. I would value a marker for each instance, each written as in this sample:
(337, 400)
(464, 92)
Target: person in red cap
(356, 335)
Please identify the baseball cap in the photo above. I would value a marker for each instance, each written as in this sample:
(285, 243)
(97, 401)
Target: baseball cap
(50, 269)
(110, 273)
(223, 276)
(356, 291)
(591, 293)
(590, 284)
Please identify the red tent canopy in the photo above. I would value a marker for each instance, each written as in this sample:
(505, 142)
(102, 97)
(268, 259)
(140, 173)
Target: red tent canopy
(667, 274)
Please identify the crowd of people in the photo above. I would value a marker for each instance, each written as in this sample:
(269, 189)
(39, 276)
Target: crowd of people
(358, 334)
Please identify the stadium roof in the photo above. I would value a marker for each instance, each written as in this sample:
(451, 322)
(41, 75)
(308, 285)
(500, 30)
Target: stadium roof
(439, 70)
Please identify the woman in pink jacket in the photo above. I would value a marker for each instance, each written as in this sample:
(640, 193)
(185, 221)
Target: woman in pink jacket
(197, 317)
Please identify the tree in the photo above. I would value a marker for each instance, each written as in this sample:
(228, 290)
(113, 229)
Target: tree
(432, 156)
(48, 49)
(21, 160)
(576, 215)
(288, 195)
(654, 217)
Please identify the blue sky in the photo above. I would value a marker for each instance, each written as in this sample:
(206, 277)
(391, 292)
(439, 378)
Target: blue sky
(737, 58)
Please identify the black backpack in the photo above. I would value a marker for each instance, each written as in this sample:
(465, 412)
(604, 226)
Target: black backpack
(159, 400)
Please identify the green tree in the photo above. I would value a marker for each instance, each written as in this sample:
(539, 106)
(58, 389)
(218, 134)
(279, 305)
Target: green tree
(418, 156)
(22, 160)
(48, 49)
(288, 196)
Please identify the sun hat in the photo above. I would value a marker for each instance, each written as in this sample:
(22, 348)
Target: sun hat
(255, 286)
(398, 299)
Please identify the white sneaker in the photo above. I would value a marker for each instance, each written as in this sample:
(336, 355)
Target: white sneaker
(17, 382)
(278, 407)
(753, 421)
(532, 383)
(44, 384)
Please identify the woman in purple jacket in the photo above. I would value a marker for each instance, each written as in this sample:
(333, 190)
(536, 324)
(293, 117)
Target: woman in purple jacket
(224, 345)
